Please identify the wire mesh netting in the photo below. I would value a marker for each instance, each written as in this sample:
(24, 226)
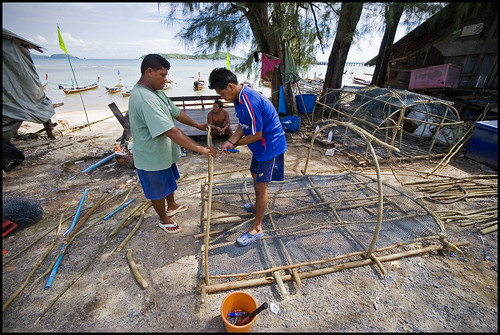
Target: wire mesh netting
(310, 219)
(430, 124)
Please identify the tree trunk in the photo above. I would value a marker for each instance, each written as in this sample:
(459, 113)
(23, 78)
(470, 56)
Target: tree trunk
(392, 16)
(350, 13)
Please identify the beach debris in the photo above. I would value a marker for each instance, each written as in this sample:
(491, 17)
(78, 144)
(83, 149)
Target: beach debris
(134, 269)
(274, 308)
(101, 162)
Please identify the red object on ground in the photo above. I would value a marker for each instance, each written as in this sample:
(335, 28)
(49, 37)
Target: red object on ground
(5, 225)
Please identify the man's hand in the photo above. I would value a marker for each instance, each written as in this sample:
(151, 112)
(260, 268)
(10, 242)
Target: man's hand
(202, 126)
(224, 146)
(209, 151)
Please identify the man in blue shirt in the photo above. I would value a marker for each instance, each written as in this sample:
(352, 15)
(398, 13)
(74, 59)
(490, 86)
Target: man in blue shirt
(260, 129)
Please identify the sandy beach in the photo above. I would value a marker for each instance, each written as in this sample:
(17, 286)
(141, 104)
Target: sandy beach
(96, 291)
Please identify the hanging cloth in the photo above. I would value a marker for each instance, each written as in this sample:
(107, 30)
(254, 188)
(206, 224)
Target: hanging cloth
(290, 71)
(268, 64)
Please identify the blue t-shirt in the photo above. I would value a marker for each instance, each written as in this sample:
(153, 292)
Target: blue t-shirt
(256, 113)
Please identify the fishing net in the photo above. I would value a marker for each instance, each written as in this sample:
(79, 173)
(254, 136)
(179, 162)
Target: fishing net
(311, 222)
(417, 124)
(22, 211)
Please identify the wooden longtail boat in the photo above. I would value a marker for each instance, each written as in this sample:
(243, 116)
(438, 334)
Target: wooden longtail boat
(115, 89)
(81, 89)
(199, 83)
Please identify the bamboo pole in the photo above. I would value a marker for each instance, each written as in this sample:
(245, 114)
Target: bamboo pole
(489, 229)
(209, 204)
(76, 277)
(323, 271)
(84, 219)
(129, 236)
(135, 271)
(326, 260)
(37, 265)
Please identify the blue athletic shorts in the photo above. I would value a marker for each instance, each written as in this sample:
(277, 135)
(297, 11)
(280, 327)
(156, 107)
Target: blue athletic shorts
(158, 184)
(273, 169)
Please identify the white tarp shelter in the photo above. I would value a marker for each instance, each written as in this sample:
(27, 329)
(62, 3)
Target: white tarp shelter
(23, 98)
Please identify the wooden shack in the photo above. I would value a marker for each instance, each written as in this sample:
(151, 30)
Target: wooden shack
(460, 45)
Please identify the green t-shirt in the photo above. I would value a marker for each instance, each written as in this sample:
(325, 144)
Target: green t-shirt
(151, 114)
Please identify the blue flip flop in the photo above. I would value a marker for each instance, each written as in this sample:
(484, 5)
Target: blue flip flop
(248, 238)
(249, 208)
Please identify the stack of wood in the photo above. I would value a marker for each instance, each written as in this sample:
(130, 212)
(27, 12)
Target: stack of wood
(447, 190)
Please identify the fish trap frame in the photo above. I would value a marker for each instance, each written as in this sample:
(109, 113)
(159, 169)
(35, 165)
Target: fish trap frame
(313, 225)
(383, 112)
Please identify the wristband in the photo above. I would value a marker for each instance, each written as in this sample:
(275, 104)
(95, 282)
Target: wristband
(231, 143)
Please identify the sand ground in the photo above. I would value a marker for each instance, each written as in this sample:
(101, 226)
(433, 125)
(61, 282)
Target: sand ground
(434, 292)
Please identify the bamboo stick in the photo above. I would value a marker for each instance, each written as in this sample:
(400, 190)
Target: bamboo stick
(129, 236)
(489, 229)
(84, 219)
(326, 260)
(76, 277)
(37, 265)
(135, 271)
(209, 204)
(317, 272)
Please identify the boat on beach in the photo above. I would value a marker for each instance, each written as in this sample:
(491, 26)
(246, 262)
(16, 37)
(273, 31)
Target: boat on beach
(80, 89)
(167, 84)
(364, 79)
(127, 93)
(115, 89)
(360, 81)
(199, 83)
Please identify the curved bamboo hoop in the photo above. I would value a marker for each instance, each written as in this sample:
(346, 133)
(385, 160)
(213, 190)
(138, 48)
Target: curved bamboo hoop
(368, 139)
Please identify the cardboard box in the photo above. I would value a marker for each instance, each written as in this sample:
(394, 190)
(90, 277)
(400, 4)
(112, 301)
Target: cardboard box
(446, 75)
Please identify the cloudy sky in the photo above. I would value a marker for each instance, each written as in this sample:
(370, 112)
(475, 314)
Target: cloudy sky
(116, 30)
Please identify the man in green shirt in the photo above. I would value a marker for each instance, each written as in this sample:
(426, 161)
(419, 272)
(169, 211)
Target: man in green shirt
(157, 140)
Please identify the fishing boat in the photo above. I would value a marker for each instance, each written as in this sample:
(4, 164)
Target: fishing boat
(80, 89)
(167, 84)
(364, 79)
(199, 83)
(361, 81)
(115, 89)
(127, 93)
(44, 83)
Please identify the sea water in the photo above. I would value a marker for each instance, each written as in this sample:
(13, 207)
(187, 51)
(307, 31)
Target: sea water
(83, 72)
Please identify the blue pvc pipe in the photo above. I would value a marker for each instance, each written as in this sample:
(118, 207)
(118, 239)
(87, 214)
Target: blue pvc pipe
(116, 210)
(75, 218)
(56, 265)
(54, 270)
(101, 162)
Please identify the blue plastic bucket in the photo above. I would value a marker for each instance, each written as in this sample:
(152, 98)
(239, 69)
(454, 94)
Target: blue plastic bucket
(309, 102)
(290, 123)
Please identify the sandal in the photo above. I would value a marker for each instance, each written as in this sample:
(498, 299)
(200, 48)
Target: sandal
(164, 227)
(249, 208)
(248, 238)
(179, 209)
